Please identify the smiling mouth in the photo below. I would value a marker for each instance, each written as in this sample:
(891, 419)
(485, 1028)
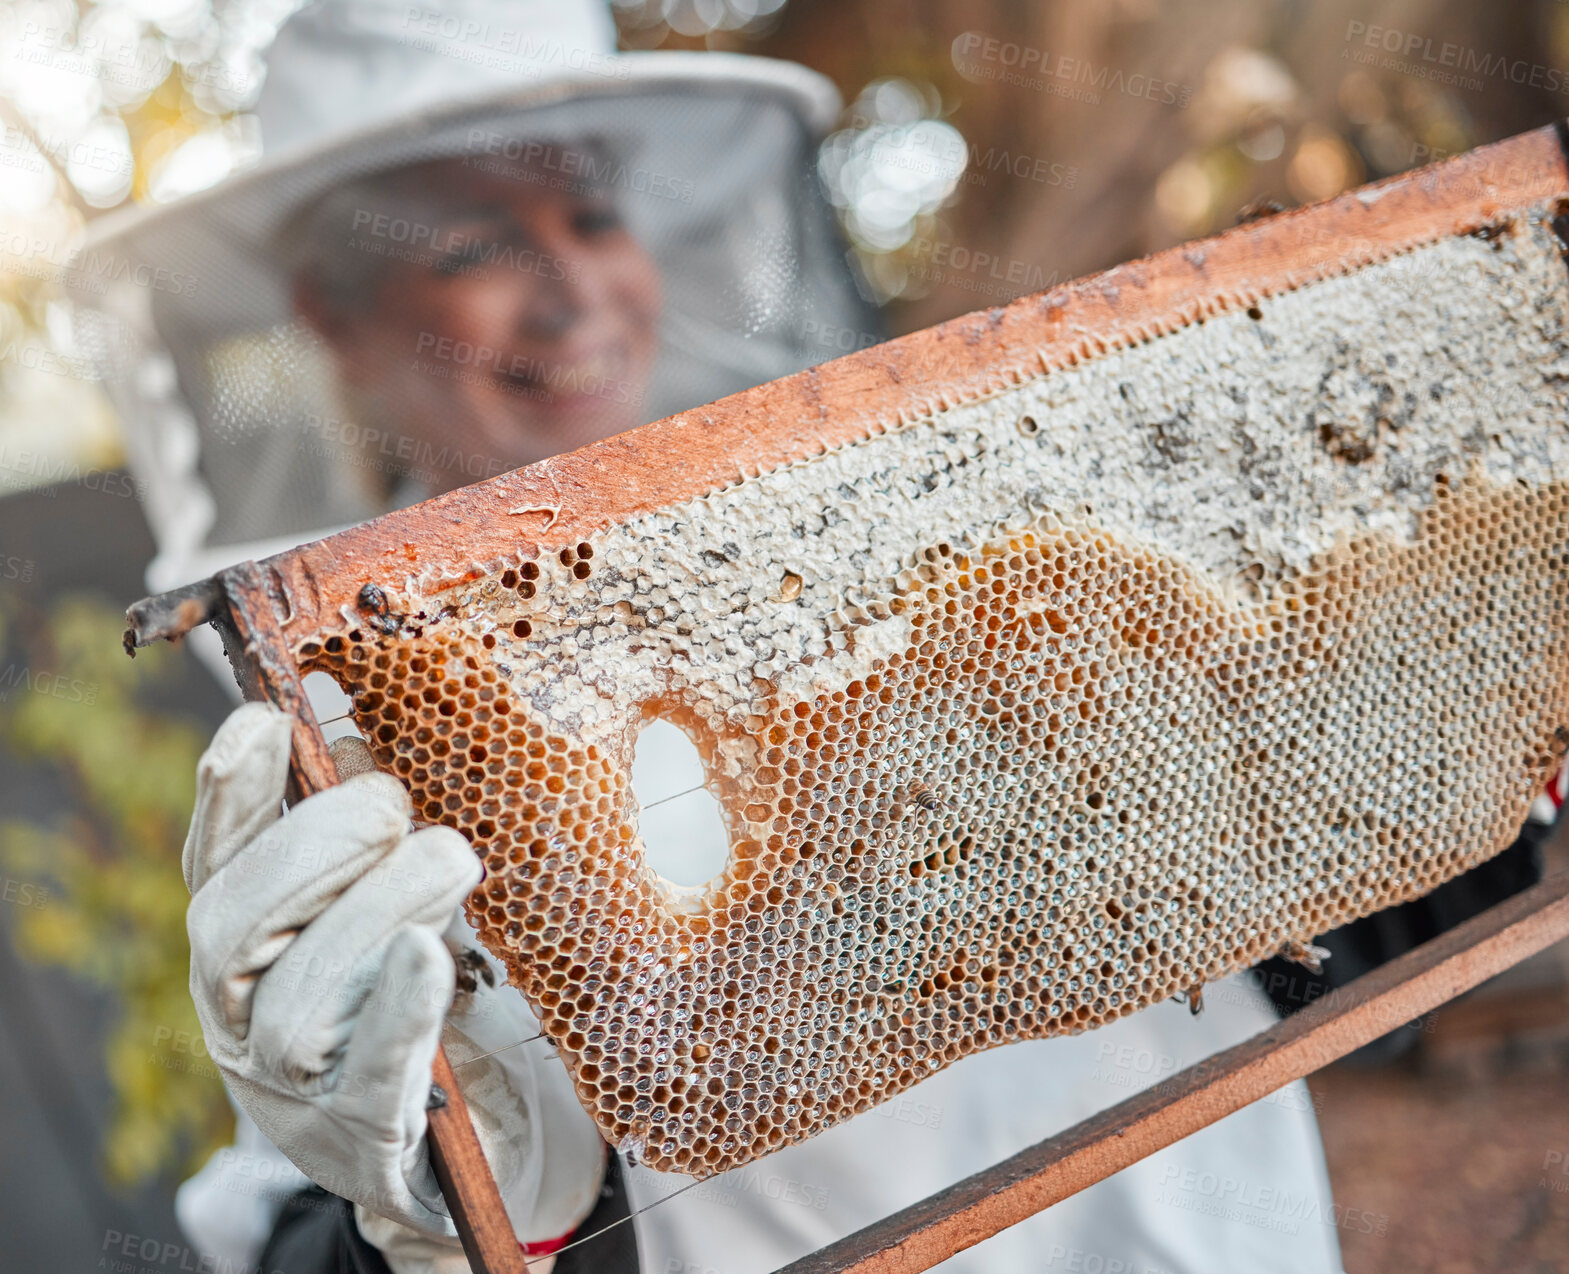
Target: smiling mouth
(598, 374)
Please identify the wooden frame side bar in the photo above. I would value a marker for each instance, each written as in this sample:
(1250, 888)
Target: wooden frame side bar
(982, 1205)
(249, 622)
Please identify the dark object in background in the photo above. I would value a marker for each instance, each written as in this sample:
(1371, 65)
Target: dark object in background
(84, 539)
(1364, 944)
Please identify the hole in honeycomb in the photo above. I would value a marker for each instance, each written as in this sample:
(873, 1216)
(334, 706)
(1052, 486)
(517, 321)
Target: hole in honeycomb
(684, 839)
(331, 705)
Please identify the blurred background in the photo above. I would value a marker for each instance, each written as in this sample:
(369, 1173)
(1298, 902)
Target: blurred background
(989, 149)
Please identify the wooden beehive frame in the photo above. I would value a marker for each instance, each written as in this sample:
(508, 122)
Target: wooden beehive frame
(262, 608)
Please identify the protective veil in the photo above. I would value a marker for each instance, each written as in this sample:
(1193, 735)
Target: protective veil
(238, 420)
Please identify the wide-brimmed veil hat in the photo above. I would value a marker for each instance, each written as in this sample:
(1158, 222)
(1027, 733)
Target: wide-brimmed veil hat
(234, 426)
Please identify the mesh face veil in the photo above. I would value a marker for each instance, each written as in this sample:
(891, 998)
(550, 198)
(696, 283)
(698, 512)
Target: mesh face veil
(444, 301)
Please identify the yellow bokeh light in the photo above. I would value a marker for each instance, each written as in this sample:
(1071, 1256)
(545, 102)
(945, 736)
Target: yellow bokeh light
(1322, 166)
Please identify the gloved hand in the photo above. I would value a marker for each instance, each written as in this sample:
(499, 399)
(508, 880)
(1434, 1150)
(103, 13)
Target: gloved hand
(321, 981)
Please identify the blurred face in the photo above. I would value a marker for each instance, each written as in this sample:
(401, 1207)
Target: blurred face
(506, 321)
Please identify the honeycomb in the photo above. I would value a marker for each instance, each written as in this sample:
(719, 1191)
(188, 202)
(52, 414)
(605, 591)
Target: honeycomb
(1023, 716)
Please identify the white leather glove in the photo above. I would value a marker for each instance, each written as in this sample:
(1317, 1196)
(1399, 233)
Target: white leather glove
(321, 981)
(545, 1152)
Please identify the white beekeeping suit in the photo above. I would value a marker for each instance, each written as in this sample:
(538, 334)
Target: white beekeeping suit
(286, 388)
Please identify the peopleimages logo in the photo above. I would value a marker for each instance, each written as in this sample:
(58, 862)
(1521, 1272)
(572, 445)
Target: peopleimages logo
(568, 168)
(39, 469)
(844, 340)
(1129, 1067)
(458, 253)
(1555, 1171)
(933, 153)
(1025, 167)
(466, 362)
(1416, 54)
(1077, 1260)
(35, 356)
(127, 1253)
(18, 150)
(729, 1189)
(97, 55)
(20, 569)
(1262, 1206)
(383, 451)
(974, 270)
(54, 685)
(978, 56)
(85, 269)
(23, 893)
(519, 49)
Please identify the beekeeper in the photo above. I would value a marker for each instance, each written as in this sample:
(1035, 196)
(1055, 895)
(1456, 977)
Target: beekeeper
(481, 237)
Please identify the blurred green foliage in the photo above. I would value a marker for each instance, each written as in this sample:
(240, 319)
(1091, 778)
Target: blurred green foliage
(115, 915)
